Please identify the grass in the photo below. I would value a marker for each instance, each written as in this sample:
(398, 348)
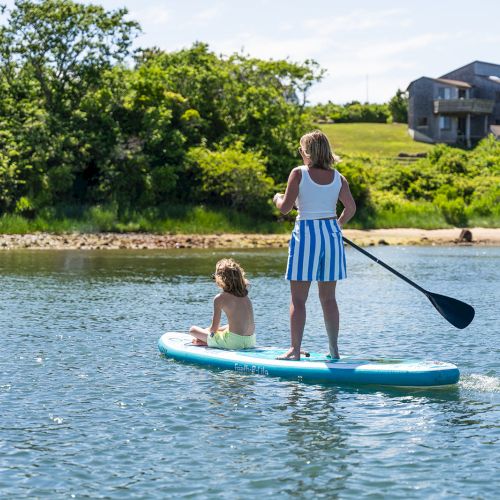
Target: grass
(203, 220)
(385, 140)
(172, 219)
(421, 215)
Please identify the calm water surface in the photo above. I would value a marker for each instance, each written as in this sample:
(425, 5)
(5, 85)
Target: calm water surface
(90, 409)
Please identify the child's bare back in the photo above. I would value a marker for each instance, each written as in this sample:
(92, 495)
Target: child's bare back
(239, 312)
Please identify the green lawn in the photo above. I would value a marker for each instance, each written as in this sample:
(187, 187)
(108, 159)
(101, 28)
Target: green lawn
(381, 139)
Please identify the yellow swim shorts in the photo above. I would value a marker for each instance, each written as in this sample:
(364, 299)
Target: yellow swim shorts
(229, 340)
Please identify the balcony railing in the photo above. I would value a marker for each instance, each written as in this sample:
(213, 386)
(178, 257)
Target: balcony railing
(462, 106)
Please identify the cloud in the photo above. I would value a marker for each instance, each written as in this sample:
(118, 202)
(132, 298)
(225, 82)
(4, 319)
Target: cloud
(357, 21)
(151, 16)
(385, 49)
(207, 14)
(265, 47)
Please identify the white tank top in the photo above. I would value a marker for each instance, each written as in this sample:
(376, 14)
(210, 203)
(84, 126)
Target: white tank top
(317, 201)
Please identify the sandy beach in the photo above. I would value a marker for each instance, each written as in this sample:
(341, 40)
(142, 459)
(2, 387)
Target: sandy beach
(98, 241)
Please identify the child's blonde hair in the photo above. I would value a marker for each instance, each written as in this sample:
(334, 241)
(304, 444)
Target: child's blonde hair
(230, 276)
(316, 147)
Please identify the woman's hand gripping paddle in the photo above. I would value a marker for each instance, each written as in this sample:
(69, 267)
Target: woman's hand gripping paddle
(458, 313)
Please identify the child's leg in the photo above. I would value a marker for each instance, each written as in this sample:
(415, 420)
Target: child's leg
(199, 334)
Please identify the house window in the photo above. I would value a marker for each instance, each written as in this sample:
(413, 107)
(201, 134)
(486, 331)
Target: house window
(422, 122)
(444, 93)
(444, 123)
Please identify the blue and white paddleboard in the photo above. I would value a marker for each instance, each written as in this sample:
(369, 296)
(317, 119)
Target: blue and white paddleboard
(316, 368)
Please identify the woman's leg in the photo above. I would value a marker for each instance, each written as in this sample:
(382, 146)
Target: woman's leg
(330, 313)
(299, 291)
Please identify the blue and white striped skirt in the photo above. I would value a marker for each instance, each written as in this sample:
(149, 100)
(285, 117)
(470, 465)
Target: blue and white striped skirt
(316, 251)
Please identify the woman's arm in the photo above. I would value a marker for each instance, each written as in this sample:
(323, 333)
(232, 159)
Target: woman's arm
(284, 203)
(217, 313)
(347, 200)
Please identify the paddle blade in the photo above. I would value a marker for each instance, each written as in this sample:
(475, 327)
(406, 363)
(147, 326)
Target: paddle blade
(458, 313)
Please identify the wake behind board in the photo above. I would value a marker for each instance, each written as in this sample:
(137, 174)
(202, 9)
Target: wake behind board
(316, 368)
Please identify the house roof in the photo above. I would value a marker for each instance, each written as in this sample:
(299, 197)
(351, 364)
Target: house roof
(454, 83)
(486, 69)
(475, 64)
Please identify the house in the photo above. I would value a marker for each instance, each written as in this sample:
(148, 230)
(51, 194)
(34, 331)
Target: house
(460, 107)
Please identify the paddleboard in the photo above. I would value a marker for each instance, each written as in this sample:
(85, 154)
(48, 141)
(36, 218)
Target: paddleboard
(316, 368)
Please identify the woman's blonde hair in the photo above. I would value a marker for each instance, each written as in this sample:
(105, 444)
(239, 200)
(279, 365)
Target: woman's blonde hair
(316, 147)
(230, 276)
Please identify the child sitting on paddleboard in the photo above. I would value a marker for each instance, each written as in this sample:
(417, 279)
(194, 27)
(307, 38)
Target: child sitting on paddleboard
(234, 302)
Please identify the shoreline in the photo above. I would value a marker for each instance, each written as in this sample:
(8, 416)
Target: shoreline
(151, 241)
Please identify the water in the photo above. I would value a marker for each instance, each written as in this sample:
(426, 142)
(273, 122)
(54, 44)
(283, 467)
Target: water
(90, 409)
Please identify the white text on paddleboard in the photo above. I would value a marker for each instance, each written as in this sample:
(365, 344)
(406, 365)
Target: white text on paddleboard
(257, 370)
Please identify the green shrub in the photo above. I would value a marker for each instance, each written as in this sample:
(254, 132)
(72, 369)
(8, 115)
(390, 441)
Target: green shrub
(393, 210)
(453, 161)
(486, 156)
(232, 177)
(357, 176)
(453, 210)
(486, 198)
(10, 181)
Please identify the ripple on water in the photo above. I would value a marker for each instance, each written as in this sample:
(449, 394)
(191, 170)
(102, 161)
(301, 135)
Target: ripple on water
(481, 383)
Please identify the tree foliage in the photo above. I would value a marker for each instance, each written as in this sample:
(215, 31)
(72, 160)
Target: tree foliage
(232, 177)
(398, 107)
(91, 124)
(85, 120)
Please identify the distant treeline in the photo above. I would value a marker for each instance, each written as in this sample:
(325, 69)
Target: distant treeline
(396, 110)
(85, 121)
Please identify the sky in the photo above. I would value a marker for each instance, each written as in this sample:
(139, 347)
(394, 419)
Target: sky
(369, 48)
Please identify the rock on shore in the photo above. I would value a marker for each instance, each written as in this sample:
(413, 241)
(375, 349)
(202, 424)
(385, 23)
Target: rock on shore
(102, 241)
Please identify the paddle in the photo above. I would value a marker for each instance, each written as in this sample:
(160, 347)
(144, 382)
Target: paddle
(458, 313)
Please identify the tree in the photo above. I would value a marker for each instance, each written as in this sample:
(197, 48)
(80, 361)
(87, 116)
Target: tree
(241, 98)
(398, 106)
(65, 45)
(53, 53)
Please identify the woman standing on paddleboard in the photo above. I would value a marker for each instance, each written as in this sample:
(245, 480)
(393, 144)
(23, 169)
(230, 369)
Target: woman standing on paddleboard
(316, 249)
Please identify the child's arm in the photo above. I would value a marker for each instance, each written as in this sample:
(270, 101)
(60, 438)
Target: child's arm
(201, 334)
(217, 314)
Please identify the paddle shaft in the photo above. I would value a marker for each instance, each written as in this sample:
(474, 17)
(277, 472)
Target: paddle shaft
(383, 264)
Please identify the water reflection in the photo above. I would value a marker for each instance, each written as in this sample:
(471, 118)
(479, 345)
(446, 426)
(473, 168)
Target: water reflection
(316, 446)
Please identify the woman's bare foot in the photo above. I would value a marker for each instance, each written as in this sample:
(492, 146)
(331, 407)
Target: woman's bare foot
(292, 355)
(328, 355)
(198, 342)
